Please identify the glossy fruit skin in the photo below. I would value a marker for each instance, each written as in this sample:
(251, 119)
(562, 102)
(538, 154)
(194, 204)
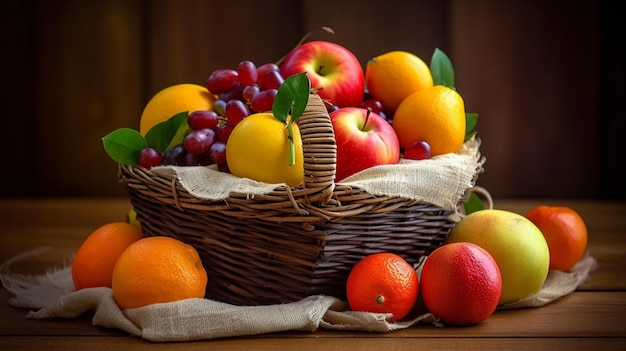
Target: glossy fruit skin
(258, 149)
(331, 67)
(157, 269)
(418, 150)
(394, 75)
(565, 232)
(383, 283)
(173, 100)
(94, 261)
(435, 115)
(461, 283)
(361, 145)
(516, 244)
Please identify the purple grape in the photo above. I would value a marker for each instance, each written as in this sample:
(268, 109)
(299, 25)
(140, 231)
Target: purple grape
(150, 157)
(203, 119)
(263, 101)
(222, 80)
(236, 110)
(218, 152)
(247, 73)
(199, 141)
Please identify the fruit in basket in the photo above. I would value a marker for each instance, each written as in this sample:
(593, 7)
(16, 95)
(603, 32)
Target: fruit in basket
(460, 283)
(565, 232)
(516, 244)
(382, 283)
(331, 68)
(393, 76)
(418, 150)
(92, 265)
(364, 139)
(158, 269)
(257, 149)
(173, 100)
(435, 115)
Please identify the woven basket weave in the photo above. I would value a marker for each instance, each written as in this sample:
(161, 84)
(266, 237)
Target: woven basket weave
(292, 242)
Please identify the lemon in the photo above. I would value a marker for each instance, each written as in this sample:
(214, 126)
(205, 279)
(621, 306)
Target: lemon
(258, 149)
(173, 100)
(393, 76)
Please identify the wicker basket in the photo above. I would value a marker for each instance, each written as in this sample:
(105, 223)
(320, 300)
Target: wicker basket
(293, 242)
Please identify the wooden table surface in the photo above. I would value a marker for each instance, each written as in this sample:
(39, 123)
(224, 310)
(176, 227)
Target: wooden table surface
(593, 317)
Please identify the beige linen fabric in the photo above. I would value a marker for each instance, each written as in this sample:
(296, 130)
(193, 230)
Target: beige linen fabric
(52, 295)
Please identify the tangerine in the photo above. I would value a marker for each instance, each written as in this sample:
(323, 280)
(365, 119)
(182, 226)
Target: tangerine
(173, 100)
(565, 232)
(382, 283)
(393, 76)
(461, 283)
(158, 269)
(258, 149)
(435, 115)
(94, 260)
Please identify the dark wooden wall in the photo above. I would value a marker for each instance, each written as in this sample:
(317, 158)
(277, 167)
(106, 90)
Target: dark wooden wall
(545, 76)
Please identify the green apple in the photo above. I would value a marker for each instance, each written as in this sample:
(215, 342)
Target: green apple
(517, 245)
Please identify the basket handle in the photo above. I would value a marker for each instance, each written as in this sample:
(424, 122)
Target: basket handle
(319, 149)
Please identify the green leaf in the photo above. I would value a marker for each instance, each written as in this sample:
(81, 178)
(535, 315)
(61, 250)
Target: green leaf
(441, 69)
(123, 145)
(471, 118)
(473, 204)
(292, 97)
(168, 133)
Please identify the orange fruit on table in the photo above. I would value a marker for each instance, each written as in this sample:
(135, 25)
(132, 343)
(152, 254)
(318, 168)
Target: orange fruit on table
(382, 283)
(461, 283)
(258, 149)
(158, 269)
(565, 232)
(435, 115)
(173, 100)
(393, 76)
(94, 260)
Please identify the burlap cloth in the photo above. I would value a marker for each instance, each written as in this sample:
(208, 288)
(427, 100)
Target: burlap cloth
(52, 295)
(441, 180)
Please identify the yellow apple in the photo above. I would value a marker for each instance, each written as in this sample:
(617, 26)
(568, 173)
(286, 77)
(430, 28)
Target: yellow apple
(517, 245)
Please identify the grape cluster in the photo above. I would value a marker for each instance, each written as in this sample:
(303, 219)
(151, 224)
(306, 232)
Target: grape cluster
(204, 145)
(243, 91)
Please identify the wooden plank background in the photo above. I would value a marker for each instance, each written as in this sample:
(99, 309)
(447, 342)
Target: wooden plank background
(545, 76)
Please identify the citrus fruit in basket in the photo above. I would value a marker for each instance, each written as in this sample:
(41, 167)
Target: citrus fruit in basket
(258, 149)
(393, 76)
(565, 232)
(173, 100)
(94, 260)
(460, 283)
(158, 269)
(516, 244)
(382, 283)
(435, 115)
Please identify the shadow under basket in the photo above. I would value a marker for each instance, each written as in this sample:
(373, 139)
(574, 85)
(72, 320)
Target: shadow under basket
(294, 241)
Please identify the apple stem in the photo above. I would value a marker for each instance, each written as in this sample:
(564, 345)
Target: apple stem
(367, 117)
(323, 29)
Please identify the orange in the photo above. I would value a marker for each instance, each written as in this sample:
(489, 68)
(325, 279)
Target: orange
(460, 283)
(382, 283)
(158, 269)
(258, 149)
(565, 232)
(93, 263)
(393, 76)
(435, 115)
(173, 100)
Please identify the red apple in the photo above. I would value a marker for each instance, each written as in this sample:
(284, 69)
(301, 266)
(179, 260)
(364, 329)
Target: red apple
(364, 139)
(331, 67)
